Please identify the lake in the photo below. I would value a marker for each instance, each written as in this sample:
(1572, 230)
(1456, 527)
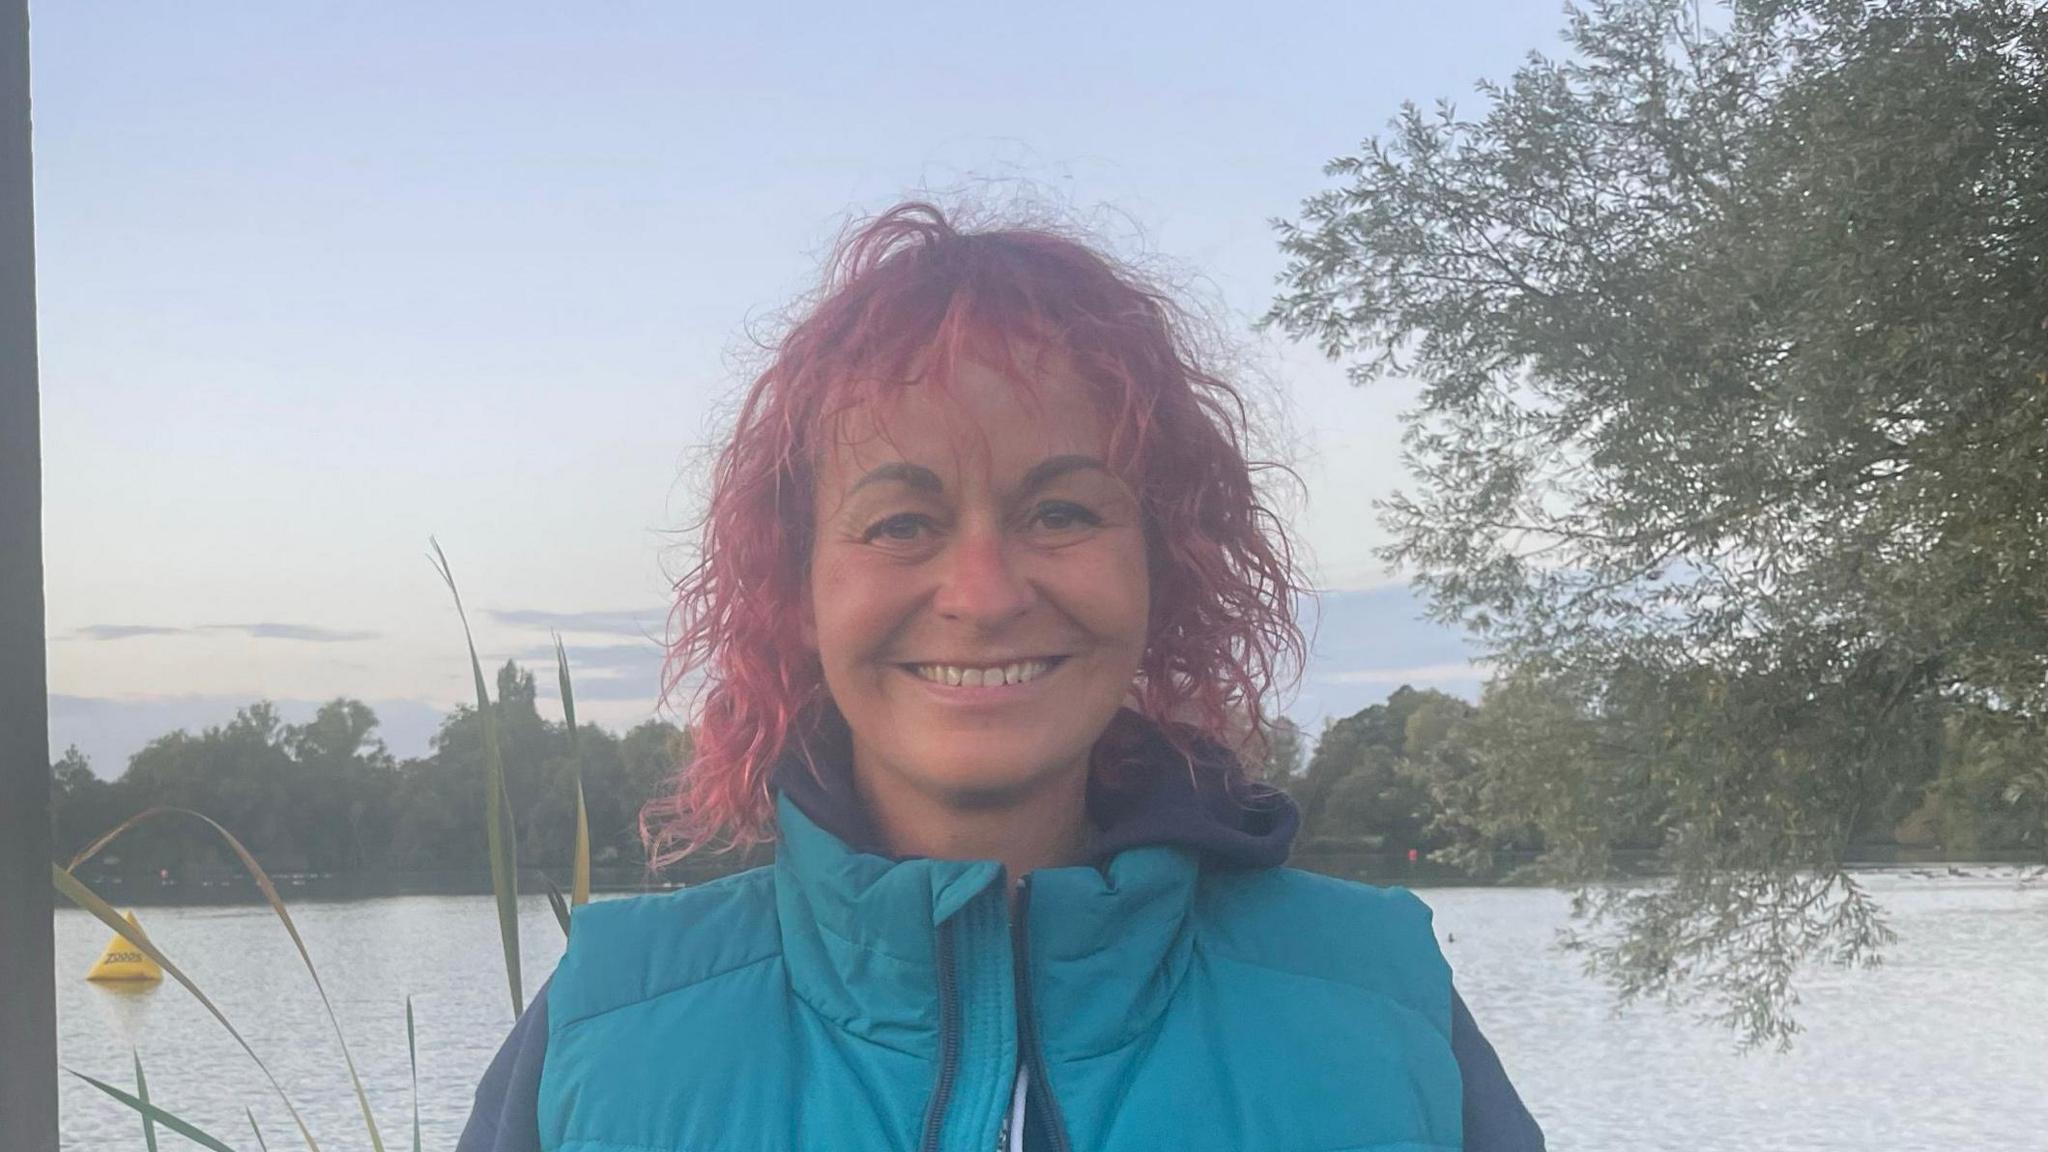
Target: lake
(1943, 1047)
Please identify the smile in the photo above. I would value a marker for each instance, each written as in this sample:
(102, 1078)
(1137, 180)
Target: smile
(984, 676)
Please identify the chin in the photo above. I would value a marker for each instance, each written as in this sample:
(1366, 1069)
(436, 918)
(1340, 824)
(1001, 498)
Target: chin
(970, 781)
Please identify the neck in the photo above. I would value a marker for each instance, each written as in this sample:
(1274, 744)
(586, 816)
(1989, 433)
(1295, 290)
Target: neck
(1047, 828)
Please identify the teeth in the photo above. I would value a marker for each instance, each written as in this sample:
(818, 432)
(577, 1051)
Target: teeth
(956, 676)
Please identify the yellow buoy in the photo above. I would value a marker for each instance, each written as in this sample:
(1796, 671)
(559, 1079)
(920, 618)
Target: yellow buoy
(122, 960)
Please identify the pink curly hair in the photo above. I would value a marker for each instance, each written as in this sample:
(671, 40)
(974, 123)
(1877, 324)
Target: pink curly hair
(906, 294)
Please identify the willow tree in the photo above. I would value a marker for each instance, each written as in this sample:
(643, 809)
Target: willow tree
(1731, 330)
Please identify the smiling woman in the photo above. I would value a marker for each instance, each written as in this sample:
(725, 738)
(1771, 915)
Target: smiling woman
(987, 596)
(979, 601)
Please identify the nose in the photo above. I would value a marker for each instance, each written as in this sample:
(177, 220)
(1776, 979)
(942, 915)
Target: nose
(981, 584)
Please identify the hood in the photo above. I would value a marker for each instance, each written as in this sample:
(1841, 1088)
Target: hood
(1142, 793)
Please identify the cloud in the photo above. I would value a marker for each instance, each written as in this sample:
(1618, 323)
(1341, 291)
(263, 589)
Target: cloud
(642, 623)
(311, 633)
(617, 672)
(123, 631)
(600, 657)
(619, 689)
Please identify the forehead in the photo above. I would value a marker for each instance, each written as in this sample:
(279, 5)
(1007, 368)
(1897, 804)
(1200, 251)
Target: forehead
(976, 417)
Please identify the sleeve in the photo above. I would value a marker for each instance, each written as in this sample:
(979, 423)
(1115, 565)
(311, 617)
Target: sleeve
(506, 1115)
(1495, 1118)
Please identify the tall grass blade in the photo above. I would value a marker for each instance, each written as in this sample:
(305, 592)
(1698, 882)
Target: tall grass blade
(412, 1059)
(258, 1132)
(142, 1094)
(276, 902)
(556, 902)
(152, 1112)
(499, 833)
(579, 879)
(75, 891)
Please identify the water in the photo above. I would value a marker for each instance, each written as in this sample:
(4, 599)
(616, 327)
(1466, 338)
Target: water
(1944, 1047)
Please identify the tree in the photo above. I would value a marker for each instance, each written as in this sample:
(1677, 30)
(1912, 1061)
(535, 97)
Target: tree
(1280, 755)
(1369, 781)
(1992, 794)
(1733, 342)
(81, 804)
(441, 825)
(651, 755)
(442, 793)
(239, 773)
(342, 779)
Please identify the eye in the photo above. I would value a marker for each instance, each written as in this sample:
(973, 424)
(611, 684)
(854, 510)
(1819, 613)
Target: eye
(1062, 516)
(902, 528)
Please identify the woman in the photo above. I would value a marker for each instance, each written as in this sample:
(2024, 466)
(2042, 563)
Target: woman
(985, 582)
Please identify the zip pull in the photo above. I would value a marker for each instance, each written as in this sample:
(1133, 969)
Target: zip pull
(1013, 1124)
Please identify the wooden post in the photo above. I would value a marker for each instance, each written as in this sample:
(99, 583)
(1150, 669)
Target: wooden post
(28, 1004)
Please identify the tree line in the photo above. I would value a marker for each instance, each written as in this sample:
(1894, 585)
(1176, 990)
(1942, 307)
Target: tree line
(1454, 781)
(327, 796)
(1466, 783)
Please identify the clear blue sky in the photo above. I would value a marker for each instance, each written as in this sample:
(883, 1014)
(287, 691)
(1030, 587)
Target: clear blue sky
(320, 280)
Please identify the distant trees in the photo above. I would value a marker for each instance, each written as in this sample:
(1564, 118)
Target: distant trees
(1283, 754)
(1368, 784)
(328, 796)
(1534, 770)
(1458, 782)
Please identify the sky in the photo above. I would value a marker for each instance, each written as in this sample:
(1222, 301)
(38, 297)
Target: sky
(318, 282)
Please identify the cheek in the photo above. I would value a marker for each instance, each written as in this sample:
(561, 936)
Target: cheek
(849, 610)
(825, 613)
(1118, 591)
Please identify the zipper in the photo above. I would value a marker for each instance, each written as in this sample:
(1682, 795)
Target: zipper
(949, 1039)
(1027, 1021)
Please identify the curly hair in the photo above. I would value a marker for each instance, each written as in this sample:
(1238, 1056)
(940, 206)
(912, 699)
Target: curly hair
(905, 295)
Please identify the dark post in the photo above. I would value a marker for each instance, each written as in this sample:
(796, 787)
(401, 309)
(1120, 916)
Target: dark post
(28, 1005)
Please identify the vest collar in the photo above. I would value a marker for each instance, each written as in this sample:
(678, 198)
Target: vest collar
(860, 938)
(1105, 942)
(1143, 792)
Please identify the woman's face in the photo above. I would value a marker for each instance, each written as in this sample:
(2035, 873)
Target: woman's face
(979, 593)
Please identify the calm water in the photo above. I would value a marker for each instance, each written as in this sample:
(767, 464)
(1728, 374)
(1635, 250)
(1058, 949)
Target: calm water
(1945, 1047)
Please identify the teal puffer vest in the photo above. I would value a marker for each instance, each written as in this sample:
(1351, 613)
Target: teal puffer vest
(843, 1001)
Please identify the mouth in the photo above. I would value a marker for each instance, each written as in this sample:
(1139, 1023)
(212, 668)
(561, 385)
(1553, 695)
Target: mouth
(985, 681)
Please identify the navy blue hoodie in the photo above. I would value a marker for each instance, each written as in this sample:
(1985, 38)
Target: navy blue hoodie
(1155, 801)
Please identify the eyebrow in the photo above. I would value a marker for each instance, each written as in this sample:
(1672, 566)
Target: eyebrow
(913, 475)
(1053, 467)
(925, 480)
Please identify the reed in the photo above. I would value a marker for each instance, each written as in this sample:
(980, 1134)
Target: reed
(501, 842)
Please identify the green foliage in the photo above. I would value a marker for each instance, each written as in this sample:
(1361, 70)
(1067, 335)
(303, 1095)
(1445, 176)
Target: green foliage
(1993, 792)
(1733, 437)
(155, 1115)
(412, 1068)
(142, 1100)
(1280, 757)
(328, 797)
(331, 752)
(579, 887)
(1371, 781)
